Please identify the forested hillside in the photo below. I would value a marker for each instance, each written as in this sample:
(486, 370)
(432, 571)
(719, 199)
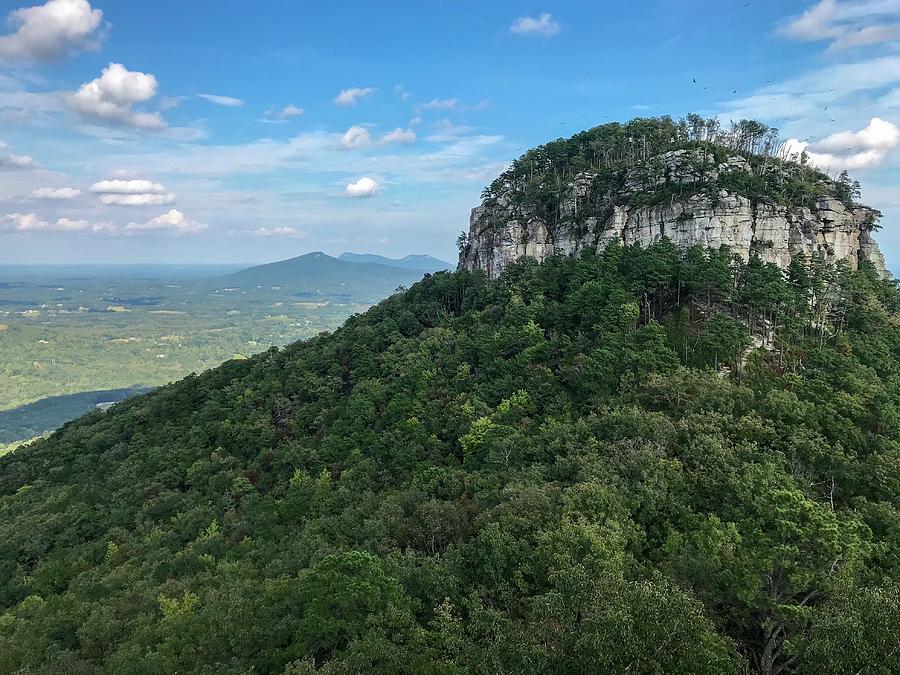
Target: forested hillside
(641, 460)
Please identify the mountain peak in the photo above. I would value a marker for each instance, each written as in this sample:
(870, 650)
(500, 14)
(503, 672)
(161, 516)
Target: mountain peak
(691, 181)
(421, 262)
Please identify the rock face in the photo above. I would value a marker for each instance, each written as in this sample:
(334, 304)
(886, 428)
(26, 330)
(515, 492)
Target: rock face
(506, 228)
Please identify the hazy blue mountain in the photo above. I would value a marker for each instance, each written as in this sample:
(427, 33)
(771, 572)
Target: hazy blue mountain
(318, 274)
(425, 263)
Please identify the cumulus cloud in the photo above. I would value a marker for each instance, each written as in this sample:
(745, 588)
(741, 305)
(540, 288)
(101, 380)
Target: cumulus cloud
(355, 137)
(127, 187)
(172, 221)
(850, 149)
(364, 187)
(278, 232)
(132, 192)
(353, 96)
(543, 25)
(11, 161)
(112, 97)
(399, 135)
(227, 101)
(56, 193)
(23, 222)
(30, 222)
(51, 30)
(846, 24)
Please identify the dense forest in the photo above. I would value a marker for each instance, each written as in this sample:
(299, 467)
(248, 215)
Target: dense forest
(642, 460)
(46, 415)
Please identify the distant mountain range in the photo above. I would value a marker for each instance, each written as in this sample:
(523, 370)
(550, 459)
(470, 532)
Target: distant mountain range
(320, 275)
(426, 263)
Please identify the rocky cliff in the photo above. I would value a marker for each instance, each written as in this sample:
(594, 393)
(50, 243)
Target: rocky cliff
(703, 195)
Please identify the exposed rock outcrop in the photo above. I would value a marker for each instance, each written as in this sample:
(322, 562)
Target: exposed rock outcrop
(507, 227)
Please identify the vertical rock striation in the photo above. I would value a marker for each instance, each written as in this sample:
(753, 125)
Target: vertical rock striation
(684, 195)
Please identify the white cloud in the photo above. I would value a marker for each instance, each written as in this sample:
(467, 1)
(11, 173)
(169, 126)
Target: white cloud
(56, 193)
(132, 192)
(278, 232)
(806, 95)
(137, 200)
(69, 225)
(11, 161)
(415, 121)
(172, 221)
(438, 104)
(127, 187)
(891, 99)
(290, 111)
(17, 162)
(227, 101)
(484, 104)
(112, 96)
(353, 96)
(847, 24)
(364, 187)
(355, 137)
(543, 25)
(311, 154)
(399, 135)
(850, 149)
(24, 222)
(169, 102)
(448, 132)
(51, 30)
(30, 222)
(401, 92)
(278, 115)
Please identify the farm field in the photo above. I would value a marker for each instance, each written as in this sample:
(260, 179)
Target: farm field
(83, 329)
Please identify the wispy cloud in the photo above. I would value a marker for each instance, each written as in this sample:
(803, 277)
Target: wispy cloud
(544, 25)
(845, 24)
(349, 97)
(282, 114)
(437, 104)
(284, 231)
(399, 135)
(226, 101)
(55, 193)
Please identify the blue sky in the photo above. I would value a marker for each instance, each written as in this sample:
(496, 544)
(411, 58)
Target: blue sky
(203, 131)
